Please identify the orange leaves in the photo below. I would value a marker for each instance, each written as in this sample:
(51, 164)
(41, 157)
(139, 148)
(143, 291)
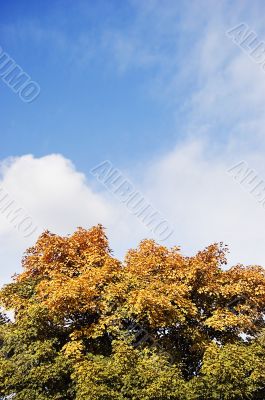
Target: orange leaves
(121, 324)
(79, 282)
(75, 270)
(66, 255)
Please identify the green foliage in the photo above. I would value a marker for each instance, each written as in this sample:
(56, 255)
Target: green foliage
(158, 327)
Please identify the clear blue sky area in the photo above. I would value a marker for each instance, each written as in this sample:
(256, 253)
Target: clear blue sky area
(100, 94)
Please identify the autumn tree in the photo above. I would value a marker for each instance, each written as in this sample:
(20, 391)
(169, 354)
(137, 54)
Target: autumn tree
(158, 326)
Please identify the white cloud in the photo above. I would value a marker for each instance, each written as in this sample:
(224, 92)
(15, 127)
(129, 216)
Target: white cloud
(197, 195)
(205, 204)
(54, 194)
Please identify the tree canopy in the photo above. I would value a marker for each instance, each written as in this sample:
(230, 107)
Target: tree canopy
(158, 326)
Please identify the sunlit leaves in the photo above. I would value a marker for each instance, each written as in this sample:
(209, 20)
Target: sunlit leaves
(159, 326)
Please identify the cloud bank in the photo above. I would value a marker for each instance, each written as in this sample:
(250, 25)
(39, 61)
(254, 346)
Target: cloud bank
(201, 200)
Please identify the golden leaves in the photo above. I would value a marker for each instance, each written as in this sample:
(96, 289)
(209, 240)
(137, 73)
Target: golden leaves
(100, 308)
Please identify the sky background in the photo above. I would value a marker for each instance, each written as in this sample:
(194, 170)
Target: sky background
(157, 88)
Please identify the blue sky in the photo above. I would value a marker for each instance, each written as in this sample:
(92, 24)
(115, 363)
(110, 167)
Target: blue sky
(112, 76)
(157, 88)
(90, 106)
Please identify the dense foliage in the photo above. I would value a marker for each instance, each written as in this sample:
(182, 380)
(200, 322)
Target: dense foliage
(159, 326)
